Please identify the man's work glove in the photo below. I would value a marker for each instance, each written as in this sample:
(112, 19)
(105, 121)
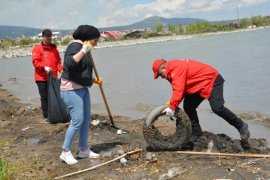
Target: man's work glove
(169, 112)
(87, 46)
(98, 81)
(47, 69)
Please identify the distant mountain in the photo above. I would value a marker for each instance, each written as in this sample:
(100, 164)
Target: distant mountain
(151, 22)
(19, 31)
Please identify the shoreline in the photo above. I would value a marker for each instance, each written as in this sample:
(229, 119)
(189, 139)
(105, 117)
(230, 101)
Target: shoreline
(15, 52)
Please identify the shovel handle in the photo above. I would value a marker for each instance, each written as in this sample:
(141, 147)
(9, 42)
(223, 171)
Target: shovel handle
(101, 88)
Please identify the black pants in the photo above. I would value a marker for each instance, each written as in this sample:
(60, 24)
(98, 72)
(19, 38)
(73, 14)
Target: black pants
(216, 100)
(43, 92)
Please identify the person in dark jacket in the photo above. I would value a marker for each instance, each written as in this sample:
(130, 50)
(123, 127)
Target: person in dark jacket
(45, 58)
(75, 80)
(194, 81)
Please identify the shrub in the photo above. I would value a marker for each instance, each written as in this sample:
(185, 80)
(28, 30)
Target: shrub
(25, 41)
(6, 43)
(65, 41)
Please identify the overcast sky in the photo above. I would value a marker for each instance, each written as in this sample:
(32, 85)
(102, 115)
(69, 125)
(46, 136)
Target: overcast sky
(68, 14)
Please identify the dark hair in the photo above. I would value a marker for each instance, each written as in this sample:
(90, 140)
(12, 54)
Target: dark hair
(86, 32)
(46, 32)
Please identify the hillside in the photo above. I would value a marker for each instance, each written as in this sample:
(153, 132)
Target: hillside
(19, 31)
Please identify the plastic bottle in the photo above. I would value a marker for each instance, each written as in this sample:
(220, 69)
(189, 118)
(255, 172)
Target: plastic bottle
(210, 146)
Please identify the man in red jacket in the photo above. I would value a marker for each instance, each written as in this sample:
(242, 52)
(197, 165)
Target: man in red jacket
(45, 58)
(194, 81)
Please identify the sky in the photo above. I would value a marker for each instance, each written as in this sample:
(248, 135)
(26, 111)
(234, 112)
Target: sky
(68, 14)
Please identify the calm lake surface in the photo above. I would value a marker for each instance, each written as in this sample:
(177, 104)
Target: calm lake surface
(243, 59)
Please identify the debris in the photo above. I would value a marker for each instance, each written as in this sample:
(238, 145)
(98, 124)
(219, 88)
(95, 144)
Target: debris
(149, 156)
(123, 161)
(119, 131)
(95, 122)
(171, 173)
(230, 169)
(24, 129)
(210, 146)
(174, 172)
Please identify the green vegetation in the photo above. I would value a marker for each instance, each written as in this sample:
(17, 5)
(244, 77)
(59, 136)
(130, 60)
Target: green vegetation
(6, 170)
(161, 30)
(26, 41)
(205, 27)
(65, 41)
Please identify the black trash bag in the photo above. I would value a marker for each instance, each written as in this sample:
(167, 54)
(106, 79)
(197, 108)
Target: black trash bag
(57, 110)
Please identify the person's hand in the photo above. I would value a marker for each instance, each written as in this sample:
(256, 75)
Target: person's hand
(47, 69)
(87, 46)
(169, 112)
(98, 81)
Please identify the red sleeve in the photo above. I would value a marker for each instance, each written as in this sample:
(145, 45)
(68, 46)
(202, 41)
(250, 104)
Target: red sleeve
(36, 58)
(178, 83)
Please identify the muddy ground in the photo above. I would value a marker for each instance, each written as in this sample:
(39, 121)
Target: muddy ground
(33, 147)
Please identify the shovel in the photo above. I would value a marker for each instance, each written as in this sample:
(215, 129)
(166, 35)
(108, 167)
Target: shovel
(103, 94)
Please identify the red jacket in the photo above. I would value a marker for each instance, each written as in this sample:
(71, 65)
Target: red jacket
(46, 55)
(189, 76)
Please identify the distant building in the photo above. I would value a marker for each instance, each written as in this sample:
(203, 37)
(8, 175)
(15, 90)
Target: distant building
(55, 35)
(111, 35)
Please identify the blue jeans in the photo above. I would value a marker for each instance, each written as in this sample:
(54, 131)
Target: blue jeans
(78, 104)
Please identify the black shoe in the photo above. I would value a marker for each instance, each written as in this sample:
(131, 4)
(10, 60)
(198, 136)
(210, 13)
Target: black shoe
(190, 144)
(193, 138)
(244, 132)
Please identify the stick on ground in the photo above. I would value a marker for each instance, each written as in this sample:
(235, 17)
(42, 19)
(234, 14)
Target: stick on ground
(225, 154)
(94, 167)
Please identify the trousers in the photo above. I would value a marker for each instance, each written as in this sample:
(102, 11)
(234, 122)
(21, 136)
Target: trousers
(43, 92)
(216, 101)
(78, 104)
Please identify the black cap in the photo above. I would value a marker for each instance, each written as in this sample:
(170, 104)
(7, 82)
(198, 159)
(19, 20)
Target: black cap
(86, 32)
(46, 32)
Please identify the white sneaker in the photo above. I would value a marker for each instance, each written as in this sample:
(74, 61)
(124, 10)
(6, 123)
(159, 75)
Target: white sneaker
(68, 158)
(87, 154)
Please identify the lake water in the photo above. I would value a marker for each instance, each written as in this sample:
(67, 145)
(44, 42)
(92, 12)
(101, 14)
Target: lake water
(243, 59)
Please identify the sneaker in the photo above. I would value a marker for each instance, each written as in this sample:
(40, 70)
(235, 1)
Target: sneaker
(244, 132)
(68, 158)
(87, 154)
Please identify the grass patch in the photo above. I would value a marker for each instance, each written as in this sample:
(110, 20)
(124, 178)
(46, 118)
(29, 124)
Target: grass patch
(6, 170)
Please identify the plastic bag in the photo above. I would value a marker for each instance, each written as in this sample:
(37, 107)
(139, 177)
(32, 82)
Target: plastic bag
(57, 110)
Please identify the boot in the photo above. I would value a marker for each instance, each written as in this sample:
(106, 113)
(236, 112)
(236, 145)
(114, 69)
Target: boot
(196, 132)
(244, 132)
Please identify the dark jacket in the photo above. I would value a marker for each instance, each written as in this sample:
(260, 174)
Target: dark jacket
(80, 73)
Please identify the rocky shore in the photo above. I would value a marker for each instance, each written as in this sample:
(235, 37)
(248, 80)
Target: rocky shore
(18, 51)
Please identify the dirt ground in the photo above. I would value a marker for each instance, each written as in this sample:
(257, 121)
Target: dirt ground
(33, 148)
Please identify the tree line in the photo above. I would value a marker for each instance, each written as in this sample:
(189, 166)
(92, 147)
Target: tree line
(206, 27)
(161, 30)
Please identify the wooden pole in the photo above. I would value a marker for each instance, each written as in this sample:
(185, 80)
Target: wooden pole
(101, 89)
(225, 154)
(94, 167)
